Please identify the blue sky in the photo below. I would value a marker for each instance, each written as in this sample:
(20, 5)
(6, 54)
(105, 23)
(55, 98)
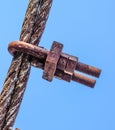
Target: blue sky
(87, 30)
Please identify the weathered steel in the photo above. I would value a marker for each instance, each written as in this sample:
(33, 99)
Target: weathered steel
(63, 76)
(83, 80)
(71, 65)
(63, 64)
(62, 61)
(15, 83)
(76, 77)
(52, 60)
(42, 53)
(20, 46)
(88, 69)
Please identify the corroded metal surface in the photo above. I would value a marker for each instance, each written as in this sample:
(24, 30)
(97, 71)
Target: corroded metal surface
(52, 60)
(70, 66)
(41, 54)
(60, 65)
(17, 77)
(26, 54)
(88, 69)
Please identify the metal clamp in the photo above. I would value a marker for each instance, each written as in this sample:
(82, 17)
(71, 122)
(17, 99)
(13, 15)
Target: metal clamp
(55, 63)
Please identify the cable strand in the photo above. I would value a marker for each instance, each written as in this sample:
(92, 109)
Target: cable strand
(18, 74)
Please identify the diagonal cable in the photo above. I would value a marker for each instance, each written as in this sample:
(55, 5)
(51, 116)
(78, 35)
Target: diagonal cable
(17, 77)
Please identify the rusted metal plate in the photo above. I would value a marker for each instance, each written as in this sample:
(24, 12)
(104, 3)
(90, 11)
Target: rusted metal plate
(52, 60)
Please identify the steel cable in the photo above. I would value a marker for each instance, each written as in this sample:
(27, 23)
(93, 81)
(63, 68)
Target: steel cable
(18, 74)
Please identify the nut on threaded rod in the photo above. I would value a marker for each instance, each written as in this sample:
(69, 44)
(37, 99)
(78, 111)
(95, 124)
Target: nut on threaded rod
(55, 63)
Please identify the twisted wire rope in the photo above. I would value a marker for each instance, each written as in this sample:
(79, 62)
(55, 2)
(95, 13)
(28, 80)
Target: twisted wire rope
(18, 74)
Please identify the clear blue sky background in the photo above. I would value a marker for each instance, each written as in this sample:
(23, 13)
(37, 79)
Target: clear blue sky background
(87, 30)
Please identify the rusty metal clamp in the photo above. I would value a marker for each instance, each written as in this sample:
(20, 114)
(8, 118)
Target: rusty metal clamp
(55, 63)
